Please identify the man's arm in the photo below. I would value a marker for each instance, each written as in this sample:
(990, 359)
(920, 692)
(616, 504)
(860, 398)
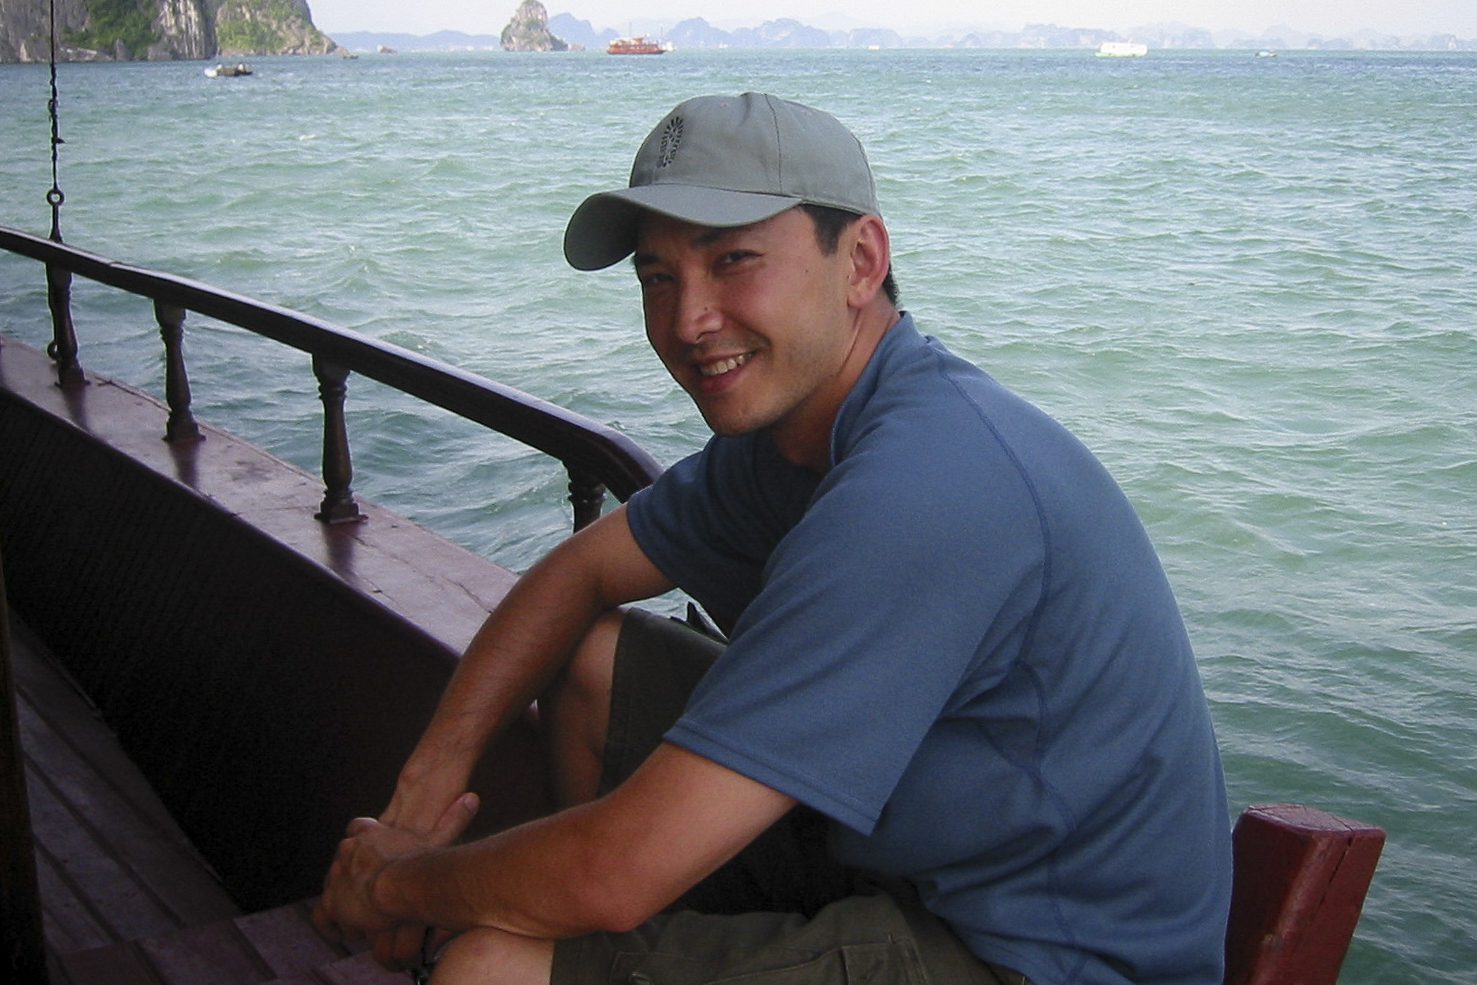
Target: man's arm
(606, 865)
(513, 658)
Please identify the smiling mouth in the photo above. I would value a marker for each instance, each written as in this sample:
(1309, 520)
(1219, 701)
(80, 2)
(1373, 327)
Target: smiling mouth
(722, 366)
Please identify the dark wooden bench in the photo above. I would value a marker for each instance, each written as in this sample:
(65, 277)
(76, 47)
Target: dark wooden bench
(125, 898)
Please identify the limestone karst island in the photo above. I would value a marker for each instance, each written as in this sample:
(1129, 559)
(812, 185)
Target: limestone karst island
(133, 30)
(529, 30)
(163, 30)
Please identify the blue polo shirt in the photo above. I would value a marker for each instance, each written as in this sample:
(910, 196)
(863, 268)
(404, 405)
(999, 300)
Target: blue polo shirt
(960, 645)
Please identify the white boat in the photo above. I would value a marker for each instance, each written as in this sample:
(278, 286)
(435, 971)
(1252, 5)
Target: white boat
(228, 71)
(1122, 49)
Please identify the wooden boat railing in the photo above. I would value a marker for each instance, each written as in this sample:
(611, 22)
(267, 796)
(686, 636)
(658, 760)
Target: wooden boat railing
(596, 457)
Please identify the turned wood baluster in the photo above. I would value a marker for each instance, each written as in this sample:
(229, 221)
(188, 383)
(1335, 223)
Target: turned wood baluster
(338, 497)
(588, 495)
(181, 426)
(63, 347)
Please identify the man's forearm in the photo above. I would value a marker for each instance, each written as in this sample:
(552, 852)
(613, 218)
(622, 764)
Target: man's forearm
(532, 880)
(605, 865)
(514, 657)
(509, 662)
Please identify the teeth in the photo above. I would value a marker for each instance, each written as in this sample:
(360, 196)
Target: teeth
(723, 366)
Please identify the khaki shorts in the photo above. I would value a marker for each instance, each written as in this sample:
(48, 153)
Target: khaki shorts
(780, 913)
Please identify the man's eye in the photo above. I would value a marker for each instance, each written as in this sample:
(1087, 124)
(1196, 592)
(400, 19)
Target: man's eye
(734, 256)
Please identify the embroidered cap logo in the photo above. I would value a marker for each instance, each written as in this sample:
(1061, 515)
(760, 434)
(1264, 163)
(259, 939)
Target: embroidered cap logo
(671, 140)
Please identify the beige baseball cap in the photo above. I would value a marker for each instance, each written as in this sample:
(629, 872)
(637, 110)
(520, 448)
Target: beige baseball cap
(725, 161)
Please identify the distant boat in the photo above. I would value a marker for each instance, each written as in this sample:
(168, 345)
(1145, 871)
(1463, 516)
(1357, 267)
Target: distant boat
(1266, 53)
(1122, 49)
(385, 49)
(635, 46)
(228, 71)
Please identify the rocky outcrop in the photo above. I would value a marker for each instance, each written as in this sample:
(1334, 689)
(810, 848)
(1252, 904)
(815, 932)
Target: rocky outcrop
(267, 27)
(91, 30)
(184, 32)
(25, 29)
(529, 30)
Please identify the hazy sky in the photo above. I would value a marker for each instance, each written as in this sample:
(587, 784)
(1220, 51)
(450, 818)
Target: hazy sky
(1329, 17)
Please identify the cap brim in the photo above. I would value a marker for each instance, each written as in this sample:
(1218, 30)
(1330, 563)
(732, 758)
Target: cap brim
(602, 230)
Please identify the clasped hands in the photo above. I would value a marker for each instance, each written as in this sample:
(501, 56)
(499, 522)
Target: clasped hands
(348, 910)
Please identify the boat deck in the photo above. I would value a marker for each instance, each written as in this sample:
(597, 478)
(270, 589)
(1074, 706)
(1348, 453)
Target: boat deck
(240, 649)
(126, 899)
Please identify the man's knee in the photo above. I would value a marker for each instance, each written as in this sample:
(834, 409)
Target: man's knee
(582, 685)
(593, 663)
(494, 957)
(576, 711)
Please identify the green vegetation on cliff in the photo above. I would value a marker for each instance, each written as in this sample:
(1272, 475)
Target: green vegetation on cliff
(114, 22)
(103, 30)
(266, 27)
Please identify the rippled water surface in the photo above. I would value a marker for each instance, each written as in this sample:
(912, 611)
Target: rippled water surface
(1249, 284)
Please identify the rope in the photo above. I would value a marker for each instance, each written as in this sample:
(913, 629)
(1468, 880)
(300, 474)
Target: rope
(54, 197)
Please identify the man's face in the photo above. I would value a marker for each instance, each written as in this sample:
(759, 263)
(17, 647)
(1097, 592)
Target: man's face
(752, 322)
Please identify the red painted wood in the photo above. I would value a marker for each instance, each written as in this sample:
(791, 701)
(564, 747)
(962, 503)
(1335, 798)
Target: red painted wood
(1300, 881)
(116, 964)
(360, 970)
(118, 901)
(22, 937)
(82, 763)
(303, 978)
(215, 953)
(69, 923)
(286, 940)
(112, 864)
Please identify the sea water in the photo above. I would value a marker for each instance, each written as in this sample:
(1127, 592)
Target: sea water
(1249, 284)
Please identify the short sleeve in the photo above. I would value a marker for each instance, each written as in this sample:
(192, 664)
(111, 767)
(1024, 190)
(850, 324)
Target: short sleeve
(710, 522)
(872, 615)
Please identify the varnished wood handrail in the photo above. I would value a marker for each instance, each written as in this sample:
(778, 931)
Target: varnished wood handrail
(594, 455)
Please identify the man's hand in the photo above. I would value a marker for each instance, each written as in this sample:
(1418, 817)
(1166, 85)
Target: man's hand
(401, 946)
(348, 910)
(519, 650)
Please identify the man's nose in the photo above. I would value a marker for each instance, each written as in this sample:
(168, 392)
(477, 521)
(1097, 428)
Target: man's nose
(697, 313)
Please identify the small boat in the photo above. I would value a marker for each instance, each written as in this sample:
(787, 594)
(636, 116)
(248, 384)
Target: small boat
(1122, 49)
(1266, 53)
(636, 46)
(228, 71)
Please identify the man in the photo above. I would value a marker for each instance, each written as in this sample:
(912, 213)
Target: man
(952, 646)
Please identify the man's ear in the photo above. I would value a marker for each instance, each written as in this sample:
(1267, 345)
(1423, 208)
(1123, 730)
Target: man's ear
(871, 258)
